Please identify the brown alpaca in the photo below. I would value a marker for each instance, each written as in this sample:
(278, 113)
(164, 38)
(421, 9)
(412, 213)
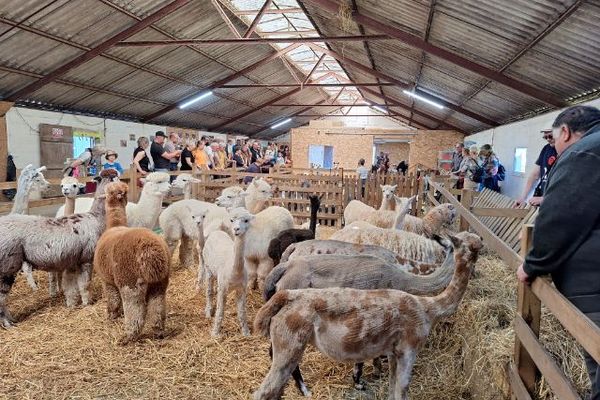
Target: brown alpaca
(351, 325)
(133, 264)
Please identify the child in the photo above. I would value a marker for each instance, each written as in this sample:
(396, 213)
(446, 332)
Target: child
(111, 156)
(362, 173)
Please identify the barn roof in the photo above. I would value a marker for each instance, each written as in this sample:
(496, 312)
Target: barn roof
(486, 62)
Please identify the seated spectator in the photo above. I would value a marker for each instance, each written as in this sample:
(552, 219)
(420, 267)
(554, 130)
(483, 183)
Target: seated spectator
(255, 167)
(237, 157)
(111, 157)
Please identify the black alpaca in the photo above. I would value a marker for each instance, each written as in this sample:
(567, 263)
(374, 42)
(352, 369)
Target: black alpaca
(289, 236)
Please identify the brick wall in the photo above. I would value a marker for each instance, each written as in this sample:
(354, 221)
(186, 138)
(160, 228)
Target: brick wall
(425, 146)
(397, 151)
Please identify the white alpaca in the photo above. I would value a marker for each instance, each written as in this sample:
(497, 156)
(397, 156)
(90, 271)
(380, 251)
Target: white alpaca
(254, 198)
(184, 182)
(144, 213)
(358, 211)
(224, 262)
(30, 181)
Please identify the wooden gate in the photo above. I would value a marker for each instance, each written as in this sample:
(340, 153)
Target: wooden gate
(56, 145)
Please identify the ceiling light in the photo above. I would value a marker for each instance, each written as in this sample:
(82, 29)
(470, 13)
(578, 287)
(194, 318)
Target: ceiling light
(424, 99)
(285, 121)
(381, 110)
(195, 100)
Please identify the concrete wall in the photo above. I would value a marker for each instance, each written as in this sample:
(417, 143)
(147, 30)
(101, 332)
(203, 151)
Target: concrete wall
(506, 138)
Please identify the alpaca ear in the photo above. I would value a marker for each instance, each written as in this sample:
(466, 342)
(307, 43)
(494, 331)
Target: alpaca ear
(394, 187)
(456, 242)
(321, 196)
(81, 185)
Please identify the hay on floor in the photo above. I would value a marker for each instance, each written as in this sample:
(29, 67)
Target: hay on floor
(57, 353)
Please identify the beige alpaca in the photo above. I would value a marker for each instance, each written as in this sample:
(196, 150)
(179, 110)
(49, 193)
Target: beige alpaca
(133, 264)
(431, 224)
(351, 325)
(358, 211)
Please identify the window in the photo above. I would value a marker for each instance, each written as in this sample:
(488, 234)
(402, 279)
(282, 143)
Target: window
(320, 156)
(520, 160)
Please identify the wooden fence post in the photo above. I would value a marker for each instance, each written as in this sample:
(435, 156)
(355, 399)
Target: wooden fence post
(466, 200)
(420, 196)
(133, 187)
(530, 309)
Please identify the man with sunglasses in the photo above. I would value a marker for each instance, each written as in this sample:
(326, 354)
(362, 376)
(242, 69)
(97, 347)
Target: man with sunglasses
(540, 171)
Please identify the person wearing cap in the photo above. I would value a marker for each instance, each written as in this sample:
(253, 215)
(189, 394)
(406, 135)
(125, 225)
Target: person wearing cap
(90, 159)
(160, 156)
(540, 171)
(111, 156)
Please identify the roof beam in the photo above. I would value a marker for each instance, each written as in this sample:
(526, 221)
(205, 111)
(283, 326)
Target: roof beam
(289, 10)
(248, 41)
(225, 80)
(96, 51)
(346, 60)
(417, 42)
(312, 71)
(257, 19)
(226, 19)
(280, 85)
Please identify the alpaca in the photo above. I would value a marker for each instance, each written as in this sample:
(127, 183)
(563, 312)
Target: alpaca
(30, 180)
(357, 210)
(353, 325)
(224, 262)
(315, 247)
(145, 212)
(266, 225)
(52, 244)
(278, 245)
(360, 272)
(184, 182)
(133, 264)
(432, 223)
(255, 198)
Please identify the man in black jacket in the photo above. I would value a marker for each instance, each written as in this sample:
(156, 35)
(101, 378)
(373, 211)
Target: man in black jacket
(566, 240)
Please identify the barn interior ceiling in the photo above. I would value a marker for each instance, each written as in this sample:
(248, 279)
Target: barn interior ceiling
(245, 66)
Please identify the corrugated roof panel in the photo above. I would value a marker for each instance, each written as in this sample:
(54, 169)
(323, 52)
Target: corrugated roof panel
(183, 118)
(99, 72)
(140, 108)
(10, 82)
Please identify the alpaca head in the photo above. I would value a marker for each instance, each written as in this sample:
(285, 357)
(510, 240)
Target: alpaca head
(116, 194)
(403, 204)
(157, 184)
(198, 216)
(241, 220)
(31, 178)
(184, 180)
(71, 187)
(231, 197)
(444, 214)
(466, 246)
(260, 189)
(106, 176)
(315, 201)
(388, 191)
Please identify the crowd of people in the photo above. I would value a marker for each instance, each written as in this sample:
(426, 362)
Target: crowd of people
(477, 168)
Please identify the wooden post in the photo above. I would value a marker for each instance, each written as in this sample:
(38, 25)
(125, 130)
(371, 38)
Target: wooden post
(195, 186)
(133, 188)
(420, 196)
(466, 200)
(530, 309)
(4, 107)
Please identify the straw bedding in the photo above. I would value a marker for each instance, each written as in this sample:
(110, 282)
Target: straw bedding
(59, 353)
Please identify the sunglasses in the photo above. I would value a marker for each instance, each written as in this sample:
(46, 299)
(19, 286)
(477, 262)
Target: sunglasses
(547, 136)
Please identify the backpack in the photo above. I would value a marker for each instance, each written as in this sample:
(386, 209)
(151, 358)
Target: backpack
(478, 174)
(501, 172)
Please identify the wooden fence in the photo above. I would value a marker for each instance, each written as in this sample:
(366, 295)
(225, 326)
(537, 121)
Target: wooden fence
(531, 361)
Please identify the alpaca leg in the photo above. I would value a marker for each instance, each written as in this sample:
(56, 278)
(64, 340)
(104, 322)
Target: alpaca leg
(377, 367)
(186, 251)
(241, 311)
(357, 374)
(28, 271)
(134, 309)
(113, 301)
(252, 269)
(222, 291)
(264, 267)
(69, 284)
(53, 283)
(209, 295)
(157, 307)
(201, 269)
(392, 385)
(83, 283)
(6, 282)
(297, 375)
(404, 362)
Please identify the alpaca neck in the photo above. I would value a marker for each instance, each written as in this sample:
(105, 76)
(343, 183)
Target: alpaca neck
(150, 200)
(69, 206)
(447, 301)
(116, 216)
(400, 217)
(434, 282)
(238, 255)
(21, 199)
(253, 205)
(314, 208)
(187, 191)
(387, 204)
(432, 221)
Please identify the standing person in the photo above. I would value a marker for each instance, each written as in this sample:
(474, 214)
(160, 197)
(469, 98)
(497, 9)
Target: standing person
(171, 146)
(490, 164)
(363, 174)
(200, 156)
(457, 156)
(187, 156)
(208, 150)
(141, 162)
(402, 167)
(468, 167)
(111, 157)
(255, 151)
(160, 156)
(566, 236)
(89, 159)
(220, 156)
(229, 149)
(540, 171)
(246, 155)
(237, 157)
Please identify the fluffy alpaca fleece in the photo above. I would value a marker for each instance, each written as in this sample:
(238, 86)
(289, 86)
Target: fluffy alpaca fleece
(133, 264)
(407, 245)
(184, 182)
(266, 225)
(278, 245)
(431, 224)
(52, 244)
(255, 198)
(353, 325)
(30, 181)
(145, 212)
(224, 263)
(358, 211)
(178, 226)
(362, 272)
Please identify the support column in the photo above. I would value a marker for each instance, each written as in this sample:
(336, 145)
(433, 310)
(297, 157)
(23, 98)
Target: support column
(4, 107)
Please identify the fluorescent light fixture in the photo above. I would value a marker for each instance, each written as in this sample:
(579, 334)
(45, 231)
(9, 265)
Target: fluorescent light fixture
(381, 110)
(424, 99)
(195, 100)
(365, 102)
(285, 121)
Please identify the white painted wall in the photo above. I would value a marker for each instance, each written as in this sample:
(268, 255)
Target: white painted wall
(24, 142)
(506, 138)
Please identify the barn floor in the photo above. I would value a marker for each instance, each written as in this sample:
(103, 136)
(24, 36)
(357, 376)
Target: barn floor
(57, 353)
